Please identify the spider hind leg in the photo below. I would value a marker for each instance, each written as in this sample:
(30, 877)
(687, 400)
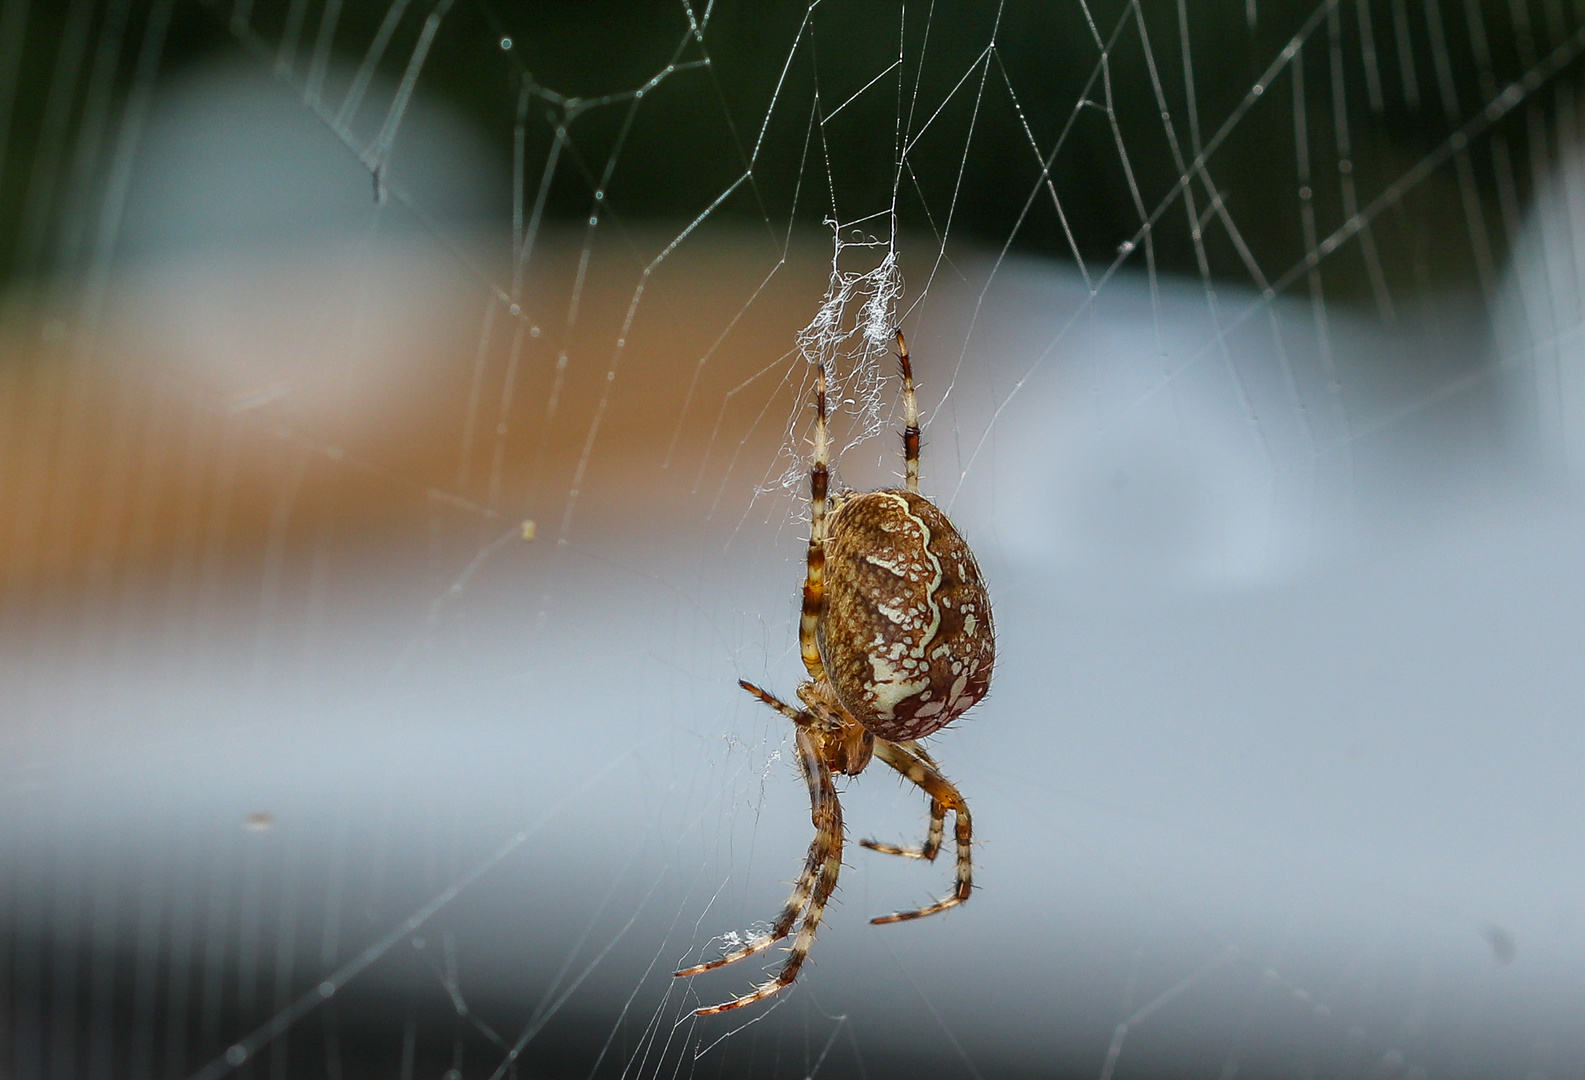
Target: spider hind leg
(914, 764)
(938, 817)
(928, 850)
(910, 417)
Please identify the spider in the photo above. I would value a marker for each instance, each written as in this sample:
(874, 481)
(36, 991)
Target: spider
(897, 638)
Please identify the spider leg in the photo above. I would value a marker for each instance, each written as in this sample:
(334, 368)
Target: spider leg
(814, 886)
(910, 418)
(815, 580)
(802, 888)
(916, 765)
(929, 849)
(938, 817)
(797, 716)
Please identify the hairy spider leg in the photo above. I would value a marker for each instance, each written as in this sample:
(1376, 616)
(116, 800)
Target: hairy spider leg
(910, 418)
(825, 852)
(938, 817)
(921, 771)
(928, 850)
(797, 716)
(802, 888)
(815, 580)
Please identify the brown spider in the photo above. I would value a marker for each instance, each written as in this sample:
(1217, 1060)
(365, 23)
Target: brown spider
(897, 638)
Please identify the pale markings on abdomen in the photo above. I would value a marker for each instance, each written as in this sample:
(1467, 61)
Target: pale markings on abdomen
(902, 570)
(890, 684)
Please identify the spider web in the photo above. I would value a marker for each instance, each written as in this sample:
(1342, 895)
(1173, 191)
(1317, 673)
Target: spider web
(395, 495)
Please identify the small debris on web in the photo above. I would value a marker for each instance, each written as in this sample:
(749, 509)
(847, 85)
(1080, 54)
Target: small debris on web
(853, 327)
(1503, 946)
(733, 940)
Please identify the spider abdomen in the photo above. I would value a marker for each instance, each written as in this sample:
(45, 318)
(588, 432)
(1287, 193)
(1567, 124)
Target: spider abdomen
(906, 636)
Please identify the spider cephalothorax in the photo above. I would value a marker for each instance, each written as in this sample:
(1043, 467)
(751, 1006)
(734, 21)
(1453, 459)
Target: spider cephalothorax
(897, 637)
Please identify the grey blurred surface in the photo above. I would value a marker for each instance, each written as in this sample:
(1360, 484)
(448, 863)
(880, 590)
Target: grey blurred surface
(1279, 774)
(1277, 801)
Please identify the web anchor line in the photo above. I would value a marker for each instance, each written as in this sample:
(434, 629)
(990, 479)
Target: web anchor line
(243, 1050)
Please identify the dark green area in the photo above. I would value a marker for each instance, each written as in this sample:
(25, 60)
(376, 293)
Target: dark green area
(978, 120)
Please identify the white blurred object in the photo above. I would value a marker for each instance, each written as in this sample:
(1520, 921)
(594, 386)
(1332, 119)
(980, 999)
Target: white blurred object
(231, 158)
(1172, 487)
(1163, 442)
(270, 271)
(1540, 325)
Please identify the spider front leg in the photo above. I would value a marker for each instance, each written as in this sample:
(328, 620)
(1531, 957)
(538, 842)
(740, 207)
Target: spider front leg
(814, 886)
(801, 888)
(916, 765)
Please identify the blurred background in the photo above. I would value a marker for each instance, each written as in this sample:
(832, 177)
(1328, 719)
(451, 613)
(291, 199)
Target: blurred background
(403, 419)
